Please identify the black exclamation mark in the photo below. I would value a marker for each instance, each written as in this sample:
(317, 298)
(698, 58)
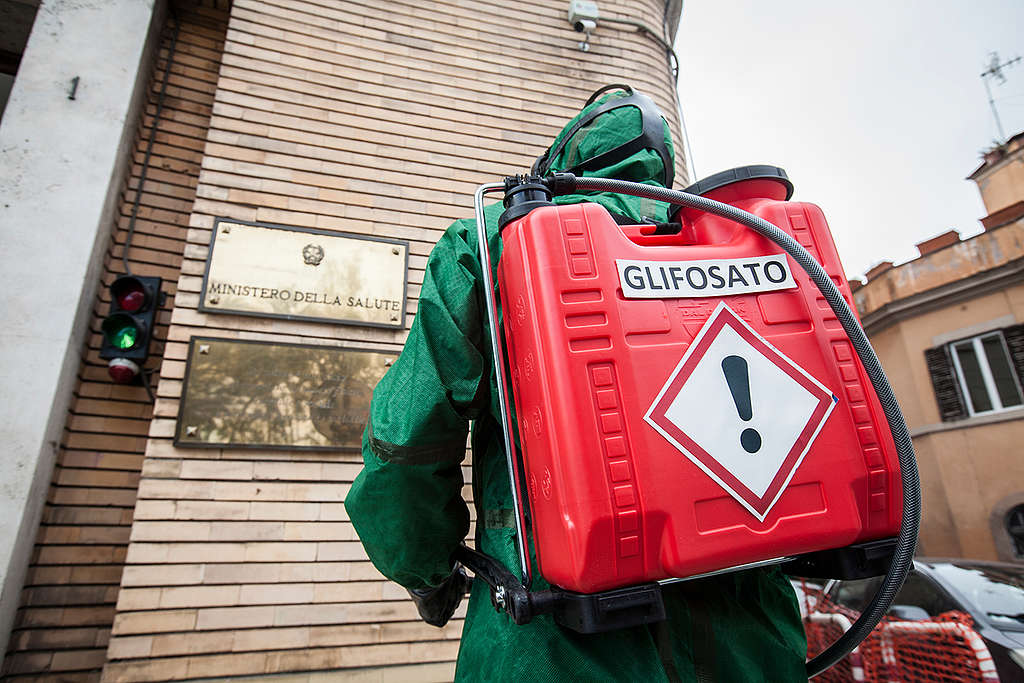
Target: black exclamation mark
(735, 369)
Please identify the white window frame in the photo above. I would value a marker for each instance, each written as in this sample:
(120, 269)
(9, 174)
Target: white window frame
(986, 374)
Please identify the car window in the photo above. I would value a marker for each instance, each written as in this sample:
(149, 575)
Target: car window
(856, 594)
(919, 591)
(996, 592)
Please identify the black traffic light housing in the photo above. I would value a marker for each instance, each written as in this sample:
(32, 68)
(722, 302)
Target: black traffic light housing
(128, 328)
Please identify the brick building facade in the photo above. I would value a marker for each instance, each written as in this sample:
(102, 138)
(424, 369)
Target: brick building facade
(128, 558)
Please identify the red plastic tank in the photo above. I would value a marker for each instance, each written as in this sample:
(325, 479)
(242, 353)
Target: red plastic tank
(687, 403)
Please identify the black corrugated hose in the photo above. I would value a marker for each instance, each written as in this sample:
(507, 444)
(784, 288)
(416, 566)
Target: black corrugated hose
(907, 539)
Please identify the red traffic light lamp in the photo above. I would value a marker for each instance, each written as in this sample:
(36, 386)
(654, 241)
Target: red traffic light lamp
(122, 370)
(128, 328)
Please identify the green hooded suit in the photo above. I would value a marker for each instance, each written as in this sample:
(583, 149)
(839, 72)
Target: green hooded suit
(407, 504)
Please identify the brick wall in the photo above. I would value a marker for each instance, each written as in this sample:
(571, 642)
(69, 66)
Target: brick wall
(376, 119)
(67, 606)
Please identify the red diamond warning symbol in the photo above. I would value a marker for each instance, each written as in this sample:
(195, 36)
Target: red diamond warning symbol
(741, 411)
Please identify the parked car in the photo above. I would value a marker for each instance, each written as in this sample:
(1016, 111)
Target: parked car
(991, 592)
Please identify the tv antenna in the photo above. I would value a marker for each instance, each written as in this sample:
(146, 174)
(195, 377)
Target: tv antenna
(995, 70)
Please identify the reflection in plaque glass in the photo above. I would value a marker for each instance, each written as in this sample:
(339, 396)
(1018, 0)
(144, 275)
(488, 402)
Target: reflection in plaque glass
(243, 394)
(305, 274)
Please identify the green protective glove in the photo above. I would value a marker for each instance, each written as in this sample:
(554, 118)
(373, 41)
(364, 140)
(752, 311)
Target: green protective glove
(437, 605)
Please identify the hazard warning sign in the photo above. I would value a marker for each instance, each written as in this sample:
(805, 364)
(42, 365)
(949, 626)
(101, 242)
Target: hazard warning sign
(742, 411)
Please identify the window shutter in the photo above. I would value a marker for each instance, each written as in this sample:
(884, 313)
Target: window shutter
(1014, 337)
(947, 390)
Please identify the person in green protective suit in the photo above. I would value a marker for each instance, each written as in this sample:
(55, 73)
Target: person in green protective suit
(407, 506)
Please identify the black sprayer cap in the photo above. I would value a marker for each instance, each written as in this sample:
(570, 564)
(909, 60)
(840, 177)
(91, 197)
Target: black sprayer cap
(736, 175)
(523, 194)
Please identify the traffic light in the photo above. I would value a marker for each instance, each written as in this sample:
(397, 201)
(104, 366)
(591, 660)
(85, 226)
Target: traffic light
(128, 329)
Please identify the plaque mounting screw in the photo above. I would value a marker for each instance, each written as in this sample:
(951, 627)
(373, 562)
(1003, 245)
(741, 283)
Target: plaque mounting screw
(394, 318)
(191, 430)
(214, 299)
(396, 251)
(226, 229)
(204, 349)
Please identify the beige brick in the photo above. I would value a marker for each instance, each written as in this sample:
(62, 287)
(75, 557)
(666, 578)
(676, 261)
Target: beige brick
(203, 642)
(328, 552)
(328, 493)
(424, 673)
(266, 572)
(215, 618)
(392, 591)
(129, 599)
(154, 509)
(277, 594)
(341, 471)
(350, 592)
(262, 491)
(299, 572)
(171, 531)
(321, 658)
(271, 639)
(247, 531)
(337, 613)
(412, 631)
(147, 553)
(199, 596)
(288, 471)
(185, 553)
(333, 512)
(135, 672)
(174, 489)
(279, 678)
(131, 647)
(216, 469)
(286, 511)
(154, 622)
(351, 571)
(162, 575)
(344, 634)
(161, 469)
(213, 510)
(319, 531)
(226, 665)
(280, 552)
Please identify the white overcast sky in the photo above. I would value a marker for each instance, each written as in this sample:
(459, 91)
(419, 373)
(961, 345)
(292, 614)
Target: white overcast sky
(875, 109)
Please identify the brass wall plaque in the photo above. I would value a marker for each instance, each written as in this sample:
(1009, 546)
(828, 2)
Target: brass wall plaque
(305, 274)
(243, 394)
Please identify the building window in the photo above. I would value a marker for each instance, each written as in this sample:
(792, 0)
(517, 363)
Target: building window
(980, 375)
(1015, 527)
(985, 373)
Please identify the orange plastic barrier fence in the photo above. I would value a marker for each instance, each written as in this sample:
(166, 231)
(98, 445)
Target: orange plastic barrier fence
(942, 648)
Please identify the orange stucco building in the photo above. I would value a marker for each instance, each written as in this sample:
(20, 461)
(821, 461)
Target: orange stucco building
(947, 327)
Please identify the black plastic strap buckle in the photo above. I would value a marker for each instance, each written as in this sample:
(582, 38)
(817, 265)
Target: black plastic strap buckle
(857, 561)
(581, 612)
(610, 610)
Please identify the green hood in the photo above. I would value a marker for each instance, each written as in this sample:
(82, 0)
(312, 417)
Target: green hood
(607, 132)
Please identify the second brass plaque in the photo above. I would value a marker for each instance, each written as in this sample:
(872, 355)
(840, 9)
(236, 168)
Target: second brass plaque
(245, 394)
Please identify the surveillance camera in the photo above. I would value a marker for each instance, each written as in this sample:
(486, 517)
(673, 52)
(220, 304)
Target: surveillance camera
(583, 15)
(584, 26)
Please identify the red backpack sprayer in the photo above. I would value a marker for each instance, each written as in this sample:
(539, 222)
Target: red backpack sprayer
(691, 400)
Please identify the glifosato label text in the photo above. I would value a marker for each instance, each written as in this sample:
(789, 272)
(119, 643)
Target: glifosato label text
(711, 277)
